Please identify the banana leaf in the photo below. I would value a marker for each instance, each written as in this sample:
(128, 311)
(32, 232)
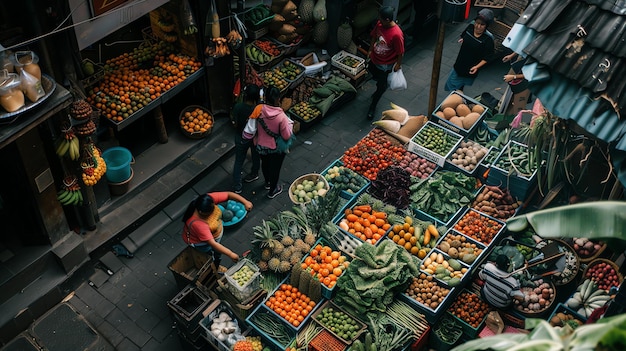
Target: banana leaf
(604, 220)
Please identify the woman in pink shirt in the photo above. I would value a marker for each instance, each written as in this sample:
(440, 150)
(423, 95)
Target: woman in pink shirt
(385, 53)
(203, 227)
(267, 123)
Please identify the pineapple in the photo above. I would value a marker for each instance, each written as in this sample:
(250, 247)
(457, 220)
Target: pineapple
(264, 234)
(263, 266)
(284, 266)
(287, 240)
(310, 238)
(295, 258)
(266, 254)
(277, 247)
(274, 264)
(287, 253)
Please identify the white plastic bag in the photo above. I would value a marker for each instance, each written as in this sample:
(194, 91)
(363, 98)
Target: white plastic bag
(396, 80)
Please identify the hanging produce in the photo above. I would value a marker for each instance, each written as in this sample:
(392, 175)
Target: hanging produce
(214, 21)
(187, 21)
(93, 165)
(70, 193)
(319, 11)
(68, 144)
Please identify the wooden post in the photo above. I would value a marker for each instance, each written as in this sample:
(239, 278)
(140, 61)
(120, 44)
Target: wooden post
(434, 79)
(160, 125)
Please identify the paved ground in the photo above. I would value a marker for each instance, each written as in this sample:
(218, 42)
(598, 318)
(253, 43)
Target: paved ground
(129, 307)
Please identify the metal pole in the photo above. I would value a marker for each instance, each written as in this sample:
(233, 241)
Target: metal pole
(434, 79)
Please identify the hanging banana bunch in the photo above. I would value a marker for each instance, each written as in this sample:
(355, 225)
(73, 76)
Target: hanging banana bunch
(93, 165)
(68, 144)
(70, 193)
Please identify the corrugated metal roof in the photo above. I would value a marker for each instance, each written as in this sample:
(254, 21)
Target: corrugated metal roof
(577, 64)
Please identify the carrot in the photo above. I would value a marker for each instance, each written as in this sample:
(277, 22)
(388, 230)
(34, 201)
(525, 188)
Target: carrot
(379, 222)
(352, 217)
(433, 231)
(426, 237)
(380, 214)
(364, 208)
(357, 212)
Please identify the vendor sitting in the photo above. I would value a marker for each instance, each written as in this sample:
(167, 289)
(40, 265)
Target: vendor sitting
(500, 288)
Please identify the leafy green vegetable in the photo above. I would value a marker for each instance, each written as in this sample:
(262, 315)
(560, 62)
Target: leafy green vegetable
(375, 276)
(442, 194)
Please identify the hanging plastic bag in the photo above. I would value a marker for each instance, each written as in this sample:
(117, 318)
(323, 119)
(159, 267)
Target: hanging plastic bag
(31, 86)
(396, 80)
(186, 15)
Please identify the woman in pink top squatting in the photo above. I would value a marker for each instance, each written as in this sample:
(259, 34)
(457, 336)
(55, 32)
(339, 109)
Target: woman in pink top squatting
(386, 52)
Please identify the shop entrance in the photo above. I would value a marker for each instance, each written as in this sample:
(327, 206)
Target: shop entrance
(18, 218)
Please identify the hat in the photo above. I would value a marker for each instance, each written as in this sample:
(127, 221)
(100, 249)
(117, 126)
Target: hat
(386, 12)
(486, 15)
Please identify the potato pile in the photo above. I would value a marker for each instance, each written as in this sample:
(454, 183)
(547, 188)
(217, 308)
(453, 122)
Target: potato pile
(425, 290)
(455, 110)
(468, 155)
(460, 247)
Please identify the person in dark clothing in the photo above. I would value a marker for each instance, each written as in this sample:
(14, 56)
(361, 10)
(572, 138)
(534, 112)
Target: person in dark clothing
(477, 49)
(240, 113)
(517, 83)
(386, 53)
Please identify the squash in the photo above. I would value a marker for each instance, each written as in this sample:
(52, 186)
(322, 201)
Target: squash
(448, 113)
(470, 119)
(478, 108)
(319, 11)
(453, 100)
(462, 110)
(457, 121)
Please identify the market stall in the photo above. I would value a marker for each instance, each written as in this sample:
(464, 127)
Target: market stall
(384, 247)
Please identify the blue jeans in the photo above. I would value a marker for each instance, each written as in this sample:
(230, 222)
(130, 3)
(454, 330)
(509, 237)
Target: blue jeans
(241, 150)
(456, 82)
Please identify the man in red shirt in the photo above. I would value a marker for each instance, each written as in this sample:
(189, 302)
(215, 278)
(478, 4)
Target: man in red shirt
(385, 53)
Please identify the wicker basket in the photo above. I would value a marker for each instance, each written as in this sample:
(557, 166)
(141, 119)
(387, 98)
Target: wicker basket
(609, 262)
(587, 259)
(316, 177)
(544, 311)
(198, 134)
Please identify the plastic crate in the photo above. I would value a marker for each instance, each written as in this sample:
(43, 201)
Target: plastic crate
(447, 222)
(518, 184)
(342, 215)
(561, 307)
(468, 330)
(432, 315)
(97, 75)
(329, 304)
(211, 313)
(326, 341)
(462, 131)
(338, 59)
(261, 23)
(264, 309)
(438, 159)
(350, 192)
(242, 309)
(454, 167)
(484, 249)
(251, 286)
(450, 326)
(261, 312)
(187, 306)
(447, 257)
(484, 216)
(327, 292)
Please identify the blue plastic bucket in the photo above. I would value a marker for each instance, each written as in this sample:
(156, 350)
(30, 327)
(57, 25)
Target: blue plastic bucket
(118, 160)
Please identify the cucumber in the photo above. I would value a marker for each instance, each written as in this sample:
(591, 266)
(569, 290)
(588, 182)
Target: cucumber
(368, 341)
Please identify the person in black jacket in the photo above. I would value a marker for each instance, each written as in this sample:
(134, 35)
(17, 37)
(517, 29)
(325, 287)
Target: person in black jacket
(240, 113)
(477, 49)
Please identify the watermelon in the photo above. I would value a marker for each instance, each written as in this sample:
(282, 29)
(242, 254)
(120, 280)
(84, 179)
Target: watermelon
(227, 215)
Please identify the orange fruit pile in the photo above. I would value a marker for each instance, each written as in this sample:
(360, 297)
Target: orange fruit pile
(291, 304)
(325, 264)
(196, 121)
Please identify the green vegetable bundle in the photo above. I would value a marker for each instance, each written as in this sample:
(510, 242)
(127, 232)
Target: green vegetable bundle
(375, 276)
(442, 194)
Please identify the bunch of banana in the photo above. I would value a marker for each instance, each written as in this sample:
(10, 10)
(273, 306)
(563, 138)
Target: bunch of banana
(191, 29)
(234, 39)
(70, 194)
(257, 55)
(587, 298)
(68, 145)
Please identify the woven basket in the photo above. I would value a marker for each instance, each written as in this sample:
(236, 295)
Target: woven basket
(587, 259)
(316, 177)
(544, 311)
(198, 134)
(609, 262)
(558, 281)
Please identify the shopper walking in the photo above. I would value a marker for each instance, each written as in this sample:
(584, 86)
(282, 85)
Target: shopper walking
(272, 132)
(517, 83)
(385, 53)
(477, 49)
(203, 227)
(499, 289)
(240, 114)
